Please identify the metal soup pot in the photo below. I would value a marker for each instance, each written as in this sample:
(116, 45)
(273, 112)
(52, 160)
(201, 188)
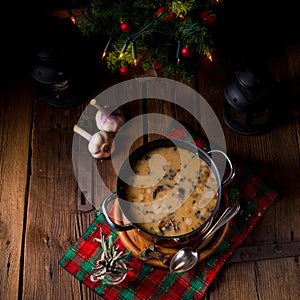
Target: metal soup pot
(126, 171)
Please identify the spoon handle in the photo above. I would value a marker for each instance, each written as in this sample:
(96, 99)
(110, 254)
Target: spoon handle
(227, 215)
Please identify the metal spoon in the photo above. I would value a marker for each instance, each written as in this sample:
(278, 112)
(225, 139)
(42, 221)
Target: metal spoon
(186, 258)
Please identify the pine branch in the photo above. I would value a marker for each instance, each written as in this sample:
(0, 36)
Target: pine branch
(155, 39)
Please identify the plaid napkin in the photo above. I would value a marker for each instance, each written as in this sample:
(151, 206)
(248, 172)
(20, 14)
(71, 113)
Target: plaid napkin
(145, 282)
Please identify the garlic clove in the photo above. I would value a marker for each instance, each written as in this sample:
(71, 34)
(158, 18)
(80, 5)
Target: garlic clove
(110, 122)
(101, 144)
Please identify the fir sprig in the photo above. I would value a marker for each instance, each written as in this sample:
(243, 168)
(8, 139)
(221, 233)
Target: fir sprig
(182, 8)
(193, 34)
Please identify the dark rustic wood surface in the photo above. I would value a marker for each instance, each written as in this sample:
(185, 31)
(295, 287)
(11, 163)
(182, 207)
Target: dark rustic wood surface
(39, 216)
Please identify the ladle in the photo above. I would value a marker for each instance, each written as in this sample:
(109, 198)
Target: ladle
(186, 258)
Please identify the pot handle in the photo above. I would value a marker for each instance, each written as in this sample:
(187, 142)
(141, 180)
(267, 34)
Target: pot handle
(109, 221)
(231, 167)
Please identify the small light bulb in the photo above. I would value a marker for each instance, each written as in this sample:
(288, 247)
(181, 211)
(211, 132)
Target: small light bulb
(133, 49)
(106, 47)
(124, 48)
(72, 18)
(178, 51)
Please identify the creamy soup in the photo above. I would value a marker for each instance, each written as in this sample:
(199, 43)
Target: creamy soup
(172, 192)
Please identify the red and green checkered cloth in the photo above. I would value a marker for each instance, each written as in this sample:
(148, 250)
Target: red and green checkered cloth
(145, 282)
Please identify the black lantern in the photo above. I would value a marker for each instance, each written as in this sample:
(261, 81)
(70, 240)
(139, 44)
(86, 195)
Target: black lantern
(250, 100)
(63, 63)
(50, 70)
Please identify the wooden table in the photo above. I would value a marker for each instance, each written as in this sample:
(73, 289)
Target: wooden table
(39, 215)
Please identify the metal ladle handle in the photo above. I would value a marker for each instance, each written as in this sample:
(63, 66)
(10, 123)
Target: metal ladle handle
(227, 215)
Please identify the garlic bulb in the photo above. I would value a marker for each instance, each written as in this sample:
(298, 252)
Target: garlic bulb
(110, 122)
(100, 144)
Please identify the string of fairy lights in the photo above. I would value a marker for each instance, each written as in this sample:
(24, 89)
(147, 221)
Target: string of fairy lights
(127, 55)
(131, 40)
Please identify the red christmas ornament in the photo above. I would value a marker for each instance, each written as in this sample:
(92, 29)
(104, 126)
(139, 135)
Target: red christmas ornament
(157, 65)
(125, 71)
(212, 49)
(208, 17)
(187, 51)
(125, 27)
(164, 15)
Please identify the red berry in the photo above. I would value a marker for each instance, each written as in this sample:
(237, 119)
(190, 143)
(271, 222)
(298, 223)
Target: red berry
(187, 51)
(208, 17)
(125, 27)
(164, 15)
(124, 71)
